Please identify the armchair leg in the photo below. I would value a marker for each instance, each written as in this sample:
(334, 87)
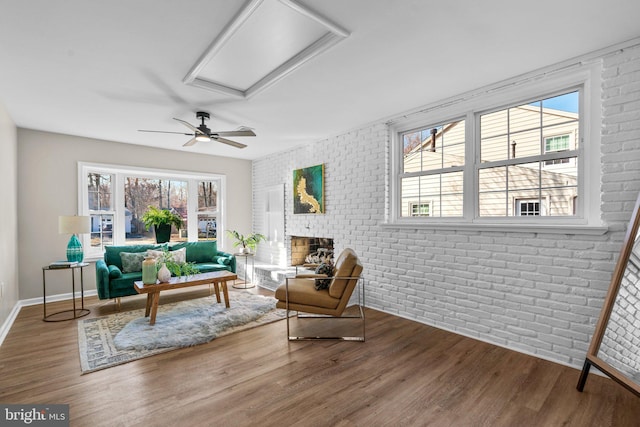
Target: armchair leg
(360, 338)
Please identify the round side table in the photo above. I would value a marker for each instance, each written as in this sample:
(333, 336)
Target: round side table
(246, 256)
(63, 315)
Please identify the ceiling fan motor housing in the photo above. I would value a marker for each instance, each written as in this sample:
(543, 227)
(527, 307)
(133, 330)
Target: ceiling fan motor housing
(202, 115)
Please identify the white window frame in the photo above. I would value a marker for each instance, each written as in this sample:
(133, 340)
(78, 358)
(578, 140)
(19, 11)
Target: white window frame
(582, 77)
(119, 174)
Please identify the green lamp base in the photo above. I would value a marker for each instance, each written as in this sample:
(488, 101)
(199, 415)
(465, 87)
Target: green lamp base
(74, 250)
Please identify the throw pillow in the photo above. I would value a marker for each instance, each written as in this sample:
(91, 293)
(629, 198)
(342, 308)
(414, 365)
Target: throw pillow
(224, 260)
(324, 269)
(132, 261)
(156, 255)
(114, 272)
(179, 256)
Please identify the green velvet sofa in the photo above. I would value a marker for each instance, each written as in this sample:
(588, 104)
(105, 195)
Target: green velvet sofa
(113, 282)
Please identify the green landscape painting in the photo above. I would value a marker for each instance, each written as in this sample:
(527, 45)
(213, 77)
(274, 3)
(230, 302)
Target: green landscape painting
(308, 190)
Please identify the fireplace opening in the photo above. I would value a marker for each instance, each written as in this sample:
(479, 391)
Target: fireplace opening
(311, 250)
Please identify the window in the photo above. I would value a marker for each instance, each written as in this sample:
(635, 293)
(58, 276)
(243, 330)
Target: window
(207, 210)
(555, 144)
(433, 161)
(528, 207)
(514, 151)
(100, 208)
(140, 192)
(509, 155)
(116, 198)
(420, 209)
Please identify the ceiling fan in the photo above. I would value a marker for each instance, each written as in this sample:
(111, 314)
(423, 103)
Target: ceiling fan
(203, 134)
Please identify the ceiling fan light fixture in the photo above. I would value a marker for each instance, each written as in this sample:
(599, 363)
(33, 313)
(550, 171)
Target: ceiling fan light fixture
(203, 138)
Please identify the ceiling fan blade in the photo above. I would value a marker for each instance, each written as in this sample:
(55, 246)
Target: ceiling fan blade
(164, 131)
(190, 126)
(190, 142)
(247, 132)
(229, 142)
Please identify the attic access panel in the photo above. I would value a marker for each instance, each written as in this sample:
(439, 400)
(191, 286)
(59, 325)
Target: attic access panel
(264, 42)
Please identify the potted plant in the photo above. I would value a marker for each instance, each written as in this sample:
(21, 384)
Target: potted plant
(248, 242)
(161, 220)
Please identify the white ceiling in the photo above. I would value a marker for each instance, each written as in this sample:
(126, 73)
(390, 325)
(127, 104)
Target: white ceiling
(104, 69)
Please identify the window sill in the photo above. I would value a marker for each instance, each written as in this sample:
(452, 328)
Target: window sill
(508, 227)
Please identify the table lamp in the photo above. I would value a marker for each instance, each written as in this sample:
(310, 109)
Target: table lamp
(74, 225)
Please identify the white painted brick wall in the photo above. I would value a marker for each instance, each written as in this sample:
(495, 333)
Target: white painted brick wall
(532, 292)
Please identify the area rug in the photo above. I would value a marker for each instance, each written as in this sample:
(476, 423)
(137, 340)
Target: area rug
(122, 337)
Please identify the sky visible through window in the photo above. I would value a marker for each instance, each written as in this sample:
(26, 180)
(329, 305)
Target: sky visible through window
(567, 102)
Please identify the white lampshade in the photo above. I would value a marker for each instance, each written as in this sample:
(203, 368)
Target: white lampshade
(74, 224)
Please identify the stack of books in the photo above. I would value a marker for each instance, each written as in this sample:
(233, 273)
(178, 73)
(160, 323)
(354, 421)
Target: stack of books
(63, 264)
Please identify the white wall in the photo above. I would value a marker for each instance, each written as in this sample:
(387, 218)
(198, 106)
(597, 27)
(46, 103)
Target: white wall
(532, 292)
(47, 188)
(8, 216)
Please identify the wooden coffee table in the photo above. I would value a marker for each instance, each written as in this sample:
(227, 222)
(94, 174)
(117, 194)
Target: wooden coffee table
(219, 280)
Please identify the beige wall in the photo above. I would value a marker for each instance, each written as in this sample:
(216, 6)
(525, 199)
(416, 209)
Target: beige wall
(8, 216)
(47, 188)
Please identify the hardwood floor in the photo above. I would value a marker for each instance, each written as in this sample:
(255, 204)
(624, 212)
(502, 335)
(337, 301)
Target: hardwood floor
(405, 374)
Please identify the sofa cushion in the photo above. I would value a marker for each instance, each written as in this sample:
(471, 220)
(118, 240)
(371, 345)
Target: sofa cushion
(198, 252)
(132, 261)
(303, 292)
(207, 267)
(114, 272)
(125, 283)
(112, 253)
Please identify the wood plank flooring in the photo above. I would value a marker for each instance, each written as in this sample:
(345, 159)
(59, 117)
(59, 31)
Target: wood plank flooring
(405, 374)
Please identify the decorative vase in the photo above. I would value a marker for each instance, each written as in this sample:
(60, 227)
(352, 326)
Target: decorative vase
(149, 272)
(164, 275)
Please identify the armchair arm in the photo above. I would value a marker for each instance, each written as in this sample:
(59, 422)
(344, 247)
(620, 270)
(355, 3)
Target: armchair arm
(226, 258)
(102, 279)
(311, 276)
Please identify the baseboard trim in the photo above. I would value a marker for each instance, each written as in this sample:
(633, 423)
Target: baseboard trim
(8, 323)
(6, 326)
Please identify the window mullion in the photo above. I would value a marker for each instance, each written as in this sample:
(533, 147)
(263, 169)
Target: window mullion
(119, 232)
(471, 170)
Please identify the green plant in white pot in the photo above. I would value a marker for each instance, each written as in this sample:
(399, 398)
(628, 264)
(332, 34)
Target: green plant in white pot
(248, 242)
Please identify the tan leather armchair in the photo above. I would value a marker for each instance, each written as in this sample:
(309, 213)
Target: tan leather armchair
(299, 294)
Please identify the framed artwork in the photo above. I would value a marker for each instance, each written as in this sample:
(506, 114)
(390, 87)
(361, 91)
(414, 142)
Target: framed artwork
(308, 190)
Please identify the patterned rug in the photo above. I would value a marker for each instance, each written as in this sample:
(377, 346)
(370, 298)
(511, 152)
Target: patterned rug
(123, 337)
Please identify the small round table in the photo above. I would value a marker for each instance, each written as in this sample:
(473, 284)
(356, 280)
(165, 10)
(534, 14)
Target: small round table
(76, 312)
(247, 256)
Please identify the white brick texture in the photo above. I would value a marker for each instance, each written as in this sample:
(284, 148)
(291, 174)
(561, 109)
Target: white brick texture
(532, 292)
